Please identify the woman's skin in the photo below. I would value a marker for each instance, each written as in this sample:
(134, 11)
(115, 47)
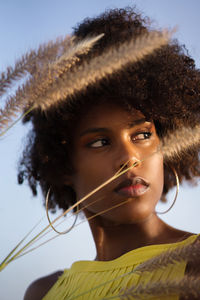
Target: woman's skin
(105, 139)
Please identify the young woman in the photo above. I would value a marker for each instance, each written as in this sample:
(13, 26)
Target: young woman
(116, 124)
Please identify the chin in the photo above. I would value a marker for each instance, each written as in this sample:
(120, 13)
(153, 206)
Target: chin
(128, 215)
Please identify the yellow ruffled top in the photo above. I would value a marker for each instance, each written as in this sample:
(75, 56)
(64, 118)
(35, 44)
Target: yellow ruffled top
(104, 279)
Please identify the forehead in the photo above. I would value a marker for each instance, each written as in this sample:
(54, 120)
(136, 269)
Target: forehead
(110, 114)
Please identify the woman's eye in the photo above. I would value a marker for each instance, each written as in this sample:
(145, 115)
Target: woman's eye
(98, 143)
(142, 136)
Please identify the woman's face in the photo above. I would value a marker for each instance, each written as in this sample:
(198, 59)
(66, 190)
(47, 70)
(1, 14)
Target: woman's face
(106, 138)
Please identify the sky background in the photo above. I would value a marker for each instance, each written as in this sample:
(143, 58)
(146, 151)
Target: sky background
(24, 25)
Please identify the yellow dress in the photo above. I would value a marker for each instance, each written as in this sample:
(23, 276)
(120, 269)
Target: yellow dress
(103, 279)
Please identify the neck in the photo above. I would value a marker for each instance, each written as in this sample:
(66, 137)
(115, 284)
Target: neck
(113, 241)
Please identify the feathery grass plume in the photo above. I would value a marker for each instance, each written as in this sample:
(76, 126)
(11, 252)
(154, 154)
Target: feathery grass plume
(170, 287)
(179, 141)
(102, 66)
(188, 253)
(188, 288)
(42, 90)
(29, 62)
(44, 75)
(51, 72)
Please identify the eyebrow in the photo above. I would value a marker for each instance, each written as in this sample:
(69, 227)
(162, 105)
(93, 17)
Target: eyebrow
(102, 129)
(137, 122)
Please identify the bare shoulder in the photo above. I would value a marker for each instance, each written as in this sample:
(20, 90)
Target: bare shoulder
(176, 235)
(38, 289)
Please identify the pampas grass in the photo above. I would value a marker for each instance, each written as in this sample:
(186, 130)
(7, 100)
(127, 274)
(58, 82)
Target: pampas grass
(189, 253)
(52, 72)
(52, 75)
(39, 64)
(102, 66)
(52, 78)
(179, 141)
(30, 61)
(188, 287)
(33, 61)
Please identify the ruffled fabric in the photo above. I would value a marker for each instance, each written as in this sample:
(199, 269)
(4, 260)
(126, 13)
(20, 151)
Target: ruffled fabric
(104, 279)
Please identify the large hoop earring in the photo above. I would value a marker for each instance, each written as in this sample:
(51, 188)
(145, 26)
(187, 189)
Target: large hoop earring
(177, 190)
(50, 223)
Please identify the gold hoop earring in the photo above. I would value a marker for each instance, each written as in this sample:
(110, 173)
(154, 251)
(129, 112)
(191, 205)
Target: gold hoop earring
(50, 223)
(176, 195)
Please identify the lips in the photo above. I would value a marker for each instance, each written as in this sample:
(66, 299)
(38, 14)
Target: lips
(134, 187)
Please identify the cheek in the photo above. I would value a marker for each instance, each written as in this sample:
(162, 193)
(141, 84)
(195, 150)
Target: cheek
(88, 177)
(157, 174)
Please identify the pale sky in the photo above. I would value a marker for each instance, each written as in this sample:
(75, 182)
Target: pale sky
(24, 25)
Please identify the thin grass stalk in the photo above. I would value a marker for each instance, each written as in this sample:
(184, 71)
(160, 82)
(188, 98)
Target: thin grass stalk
(14, 105)
(50, 230)
(6, 261)
(15, 122)
(77, 212)
(91, 193)
(78, 203)
(87, 219)
(35, 248)
(41, 244)
(115, 176)
(45, 233)
(137, 269)
(104, 211)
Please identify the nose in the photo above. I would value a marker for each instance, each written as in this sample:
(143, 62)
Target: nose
(132, 162)
(127, 157)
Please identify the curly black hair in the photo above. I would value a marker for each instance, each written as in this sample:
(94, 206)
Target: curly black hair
(165, 87)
